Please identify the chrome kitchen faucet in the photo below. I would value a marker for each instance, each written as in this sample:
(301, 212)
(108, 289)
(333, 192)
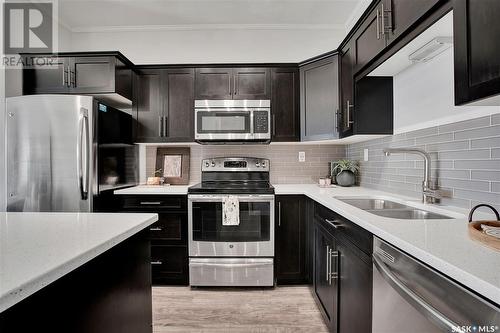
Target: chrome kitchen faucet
(429, 193)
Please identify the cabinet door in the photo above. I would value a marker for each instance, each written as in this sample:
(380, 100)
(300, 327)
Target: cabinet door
(91, 75)
(45, 75)
(355, 292)
(369, 41)
(290, 240)
(214, 83)
(345, 117)
(399, 15)
(325, 284)
(319, 99)
(285, 104)
(178, 99)
(169, 265)
(171, 228)
(149, 107)
(476, 50)
(251, 83)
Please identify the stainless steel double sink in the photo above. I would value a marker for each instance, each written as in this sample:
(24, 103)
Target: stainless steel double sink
(391, 209)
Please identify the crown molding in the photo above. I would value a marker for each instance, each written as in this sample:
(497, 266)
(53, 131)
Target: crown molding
(195, 27)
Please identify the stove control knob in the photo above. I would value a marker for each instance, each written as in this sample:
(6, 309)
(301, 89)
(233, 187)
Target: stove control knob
(212, 164)
(257, 164)
(263, 164)
(207, 164)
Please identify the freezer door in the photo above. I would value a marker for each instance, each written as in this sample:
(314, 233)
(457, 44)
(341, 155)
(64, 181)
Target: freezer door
(49, 153)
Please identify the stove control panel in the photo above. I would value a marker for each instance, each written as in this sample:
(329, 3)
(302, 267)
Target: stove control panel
(235, 164)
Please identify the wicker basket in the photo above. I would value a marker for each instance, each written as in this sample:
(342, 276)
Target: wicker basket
(476, 233)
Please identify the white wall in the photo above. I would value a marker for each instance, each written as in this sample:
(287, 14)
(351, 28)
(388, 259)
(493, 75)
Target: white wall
(424, 96)
(2, 123)
(211, 46)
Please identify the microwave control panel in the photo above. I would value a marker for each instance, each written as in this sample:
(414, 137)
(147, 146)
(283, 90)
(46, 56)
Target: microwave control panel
(260, 122)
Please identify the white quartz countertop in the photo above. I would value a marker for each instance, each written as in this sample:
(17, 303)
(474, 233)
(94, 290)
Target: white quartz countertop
(38, 248)
(155, 189)
(442, 244)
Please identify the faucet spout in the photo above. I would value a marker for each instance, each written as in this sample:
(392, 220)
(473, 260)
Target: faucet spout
(426, 184)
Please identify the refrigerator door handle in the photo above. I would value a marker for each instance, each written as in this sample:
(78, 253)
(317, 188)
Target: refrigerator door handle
(83, 154)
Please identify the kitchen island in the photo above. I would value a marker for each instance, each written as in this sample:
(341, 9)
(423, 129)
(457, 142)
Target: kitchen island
(75, 272)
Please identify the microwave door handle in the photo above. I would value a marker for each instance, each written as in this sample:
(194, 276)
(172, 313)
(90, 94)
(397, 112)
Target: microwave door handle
(422, 306)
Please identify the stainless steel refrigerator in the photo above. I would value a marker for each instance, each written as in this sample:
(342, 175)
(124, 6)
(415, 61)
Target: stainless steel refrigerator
(65, 150)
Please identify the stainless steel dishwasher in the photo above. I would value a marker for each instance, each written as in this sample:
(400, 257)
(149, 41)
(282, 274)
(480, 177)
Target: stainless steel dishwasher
(408, 297)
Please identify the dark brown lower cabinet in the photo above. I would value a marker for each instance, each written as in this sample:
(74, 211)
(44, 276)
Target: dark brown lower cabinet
(169, 235)
(290, 249)
(169, 265)
(342, 277)
(325, 282)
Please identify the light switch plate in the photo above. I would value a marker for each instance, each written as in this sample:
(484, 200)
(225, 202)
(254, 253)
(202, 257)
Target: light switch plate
(302, 156)
(365, 154)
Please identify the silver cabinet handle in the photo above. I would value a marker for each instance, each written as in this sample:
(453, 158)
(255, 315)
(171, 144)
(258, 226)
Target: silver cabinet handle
(156, 262)
(334, 223)
(383, 20)
(165, 126)
(336, 121)
(412, 297)
(328, 263)
(333, 275)
(64, 74)
(150, 202)
(378, 24)
(274, 125)
(348, 111)
(279, 214)
(68, 79)
(72, 77)
(160, 123)
(155, 229)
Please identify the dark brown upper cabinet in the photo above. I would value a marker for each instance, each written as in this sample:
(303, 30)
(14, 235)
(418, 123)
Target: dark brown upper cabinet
(108, 77)
(214, 83)
(399, 15)
(368, 40)
(252, 83)
(477, 51)
(319, 99)
(233, 83)
(165, 105)
(285, 104)
(178, 104)
(345, 120)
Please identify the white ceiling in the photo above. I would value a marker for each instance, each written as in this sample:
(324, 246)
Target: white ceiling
(130, 15)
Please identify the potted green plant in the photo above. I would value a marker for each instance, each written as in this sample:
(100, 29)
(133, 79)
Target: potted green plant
(346, 172)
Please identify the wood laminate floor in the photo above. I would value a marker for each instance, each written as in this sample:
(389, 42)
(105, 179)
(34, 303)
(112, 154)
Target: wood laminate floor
(283, 309)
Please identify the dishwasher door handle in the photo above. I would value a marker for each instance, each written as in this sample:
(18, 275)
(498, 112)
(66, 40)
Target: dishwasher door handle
(426, 309)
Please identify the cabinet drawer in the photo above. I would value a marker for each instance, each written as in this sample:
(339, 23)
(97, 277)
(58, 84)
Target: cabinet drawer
(169, 264)
(343, 228)
(170, 227)
(149, 202)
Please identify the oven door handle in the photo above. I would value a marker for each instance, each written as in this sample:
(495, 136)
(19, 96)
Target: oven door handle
(420, 304)
(218, 198)
(205, 264)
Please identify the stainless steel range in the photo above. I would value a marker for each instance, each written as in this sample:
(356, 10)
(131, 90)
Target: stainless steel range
(237, 254)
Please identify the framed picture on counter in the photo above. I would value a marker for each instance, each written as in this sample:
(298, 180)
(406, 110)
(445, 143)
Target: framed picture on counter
(174, 164)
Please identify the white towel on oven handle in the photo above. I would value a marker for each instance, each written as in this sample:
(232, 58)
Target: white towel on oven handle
(230, 210)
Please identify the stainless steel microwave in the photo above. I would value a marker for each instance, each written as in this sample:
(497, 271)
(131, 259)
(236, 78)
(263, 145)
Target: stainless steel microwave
(231, 121)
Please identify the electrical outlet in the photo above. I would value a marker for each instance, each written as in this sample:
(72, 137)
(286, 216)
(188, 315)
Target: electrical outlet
(302, 156)
(365, 154)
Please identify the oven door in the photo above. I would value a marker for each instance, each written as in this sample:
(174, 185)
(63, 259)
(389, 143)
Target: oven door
(253, 237)
(224, 124)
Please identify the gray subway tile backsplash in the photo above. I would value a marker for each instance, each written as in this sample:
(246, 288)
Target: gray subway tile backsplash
(465, 161)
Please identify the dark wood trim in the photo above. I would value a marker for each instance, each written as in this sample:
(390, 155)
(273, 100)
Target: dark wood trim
(116, 54)
(319, 57)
